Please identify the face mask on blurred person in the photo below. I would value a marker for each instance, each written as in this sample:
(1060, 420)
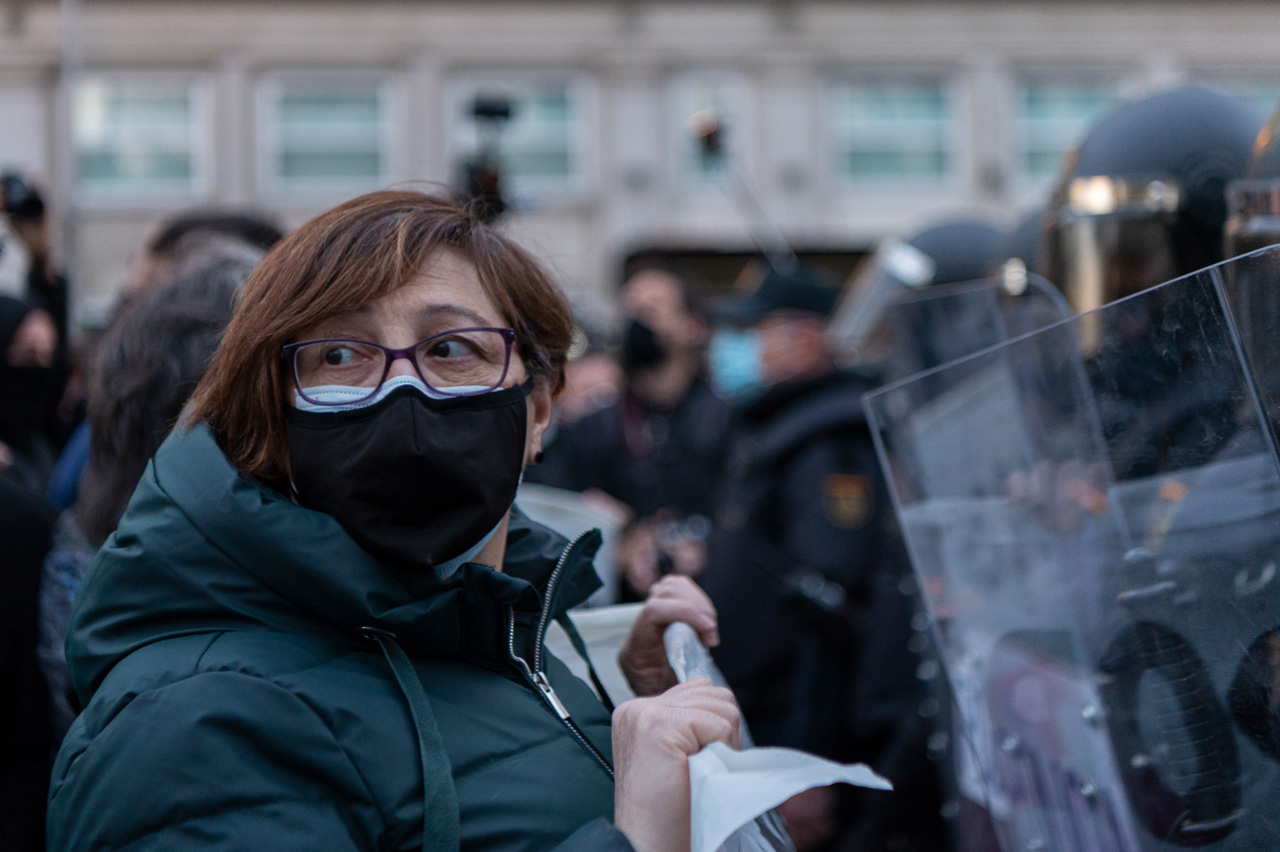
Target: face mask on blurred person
(411, 476)
(734, 358)
(25, 392)
(641, 347)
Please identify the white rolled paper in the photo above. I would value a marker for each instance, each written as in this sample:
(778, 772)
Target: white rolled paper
(731, 788)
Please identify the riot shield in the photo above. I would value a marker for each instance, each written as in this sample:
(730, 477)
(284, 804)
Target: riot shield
(1093, 514)
(920, 329)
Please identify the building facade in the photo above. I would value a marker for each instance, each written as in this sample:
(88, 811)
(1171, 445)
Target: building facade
(840, 122)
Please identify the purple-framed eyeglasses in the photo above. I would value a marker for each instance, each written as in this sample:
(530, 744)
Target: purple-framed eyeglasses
(458, 362)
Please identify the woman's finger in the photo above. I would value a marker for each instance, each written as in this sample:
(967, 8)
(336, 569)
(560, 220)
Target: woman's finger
(658, 613)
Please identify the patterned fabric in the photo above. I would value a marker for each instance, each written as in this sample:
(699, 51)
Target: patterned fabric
(63, 569)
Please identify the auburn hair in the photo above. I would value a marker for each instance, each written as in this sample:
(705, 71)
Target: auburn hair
(341, 261)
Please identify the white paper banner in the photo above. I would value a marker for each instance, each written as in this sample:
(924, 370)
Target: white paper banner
(731, 788)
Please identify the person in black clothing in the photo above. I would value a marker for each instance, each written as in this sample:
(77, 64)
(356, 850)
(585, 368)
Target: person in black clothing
(29, 390)
(26, 746)
(804, 566)
(659, 449)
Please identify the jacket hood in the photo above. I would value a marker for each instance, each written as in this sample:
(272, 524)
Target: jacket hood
(203, 548)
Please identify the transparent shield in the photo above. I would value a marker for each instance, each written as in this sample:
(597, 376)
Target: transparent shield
(1093, 512)
(922, 329)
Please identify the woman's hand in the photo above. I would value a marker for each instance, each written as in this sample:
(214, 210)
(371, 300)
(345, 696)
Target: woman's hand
(643, 658)
(652, 741)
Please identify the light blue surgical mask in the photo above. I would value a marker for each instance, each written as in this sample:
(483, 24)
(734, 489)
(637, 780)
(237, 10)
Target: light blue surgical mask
(734, 357)
(338, 393)
(445, 569)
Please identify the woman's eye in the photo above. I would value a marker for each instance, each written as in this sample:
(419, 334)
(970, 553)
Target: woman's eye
(450, 348)
(339, 356)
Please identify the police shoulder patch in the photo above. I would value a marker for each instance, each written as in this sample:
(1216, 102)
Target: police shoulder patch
(847, 499)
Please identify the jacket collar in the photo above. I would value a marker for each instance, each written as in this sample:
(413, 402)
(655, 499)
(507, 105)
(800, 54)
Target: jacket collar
(203, 547)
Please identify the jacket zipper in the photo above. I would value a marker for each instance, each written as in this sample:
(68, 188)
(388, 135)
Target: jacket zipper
(536, 677)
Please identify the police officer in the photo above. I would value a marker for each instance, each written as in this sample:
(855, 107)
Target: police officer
(1253, 202)
(801, 558)
(1142, 200)
(659, 449)
(1253, 205)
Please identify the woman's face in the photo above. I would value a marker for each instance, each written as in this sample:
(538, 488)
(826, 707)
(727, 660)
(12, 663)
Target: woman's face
(445, 295)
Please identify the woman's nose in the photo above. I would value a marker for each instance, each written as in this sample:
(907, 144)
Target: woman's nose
(402, 367)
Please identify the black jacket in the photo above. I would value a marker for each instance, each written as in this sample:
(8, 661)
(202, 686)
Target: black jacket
(648, 459)
(26, 528)
(804, 569)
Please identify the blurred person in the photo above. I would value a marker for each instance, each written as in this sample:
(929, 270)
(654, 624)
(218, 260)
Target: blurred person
(28, 385)
(658, 450)
(26, 740)
(592, 382)
(24, 207)
(164, 249)
(1142, 201)
(182, 243)
(804, 564)
(320, 622)
(145, 370)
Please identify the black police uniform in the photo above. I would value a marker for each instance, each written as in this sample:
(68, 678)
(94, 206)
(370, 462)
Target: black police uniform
(648, 458)
(803, 572)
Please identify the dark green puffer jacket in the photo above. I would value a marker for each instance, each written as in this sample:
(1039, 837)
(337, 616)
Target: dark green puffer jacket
(233, 700)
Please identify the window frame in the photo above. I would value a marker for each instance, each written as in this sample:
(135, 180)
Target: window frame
(956, 143)
(1236, 80)
(1020, 81)
(268, 145)
(123, 195)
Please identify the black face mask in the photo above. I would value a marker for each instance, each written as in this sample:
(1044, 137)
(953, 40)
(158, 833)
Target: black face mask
(641, 347)
(412, 479)
(27, 393)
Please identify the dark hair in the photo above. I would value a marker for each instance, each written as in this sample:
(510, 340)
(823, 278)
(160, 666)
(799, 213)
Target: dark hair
(668, 268)
(338, 262)
(146, 369)
(252, 228)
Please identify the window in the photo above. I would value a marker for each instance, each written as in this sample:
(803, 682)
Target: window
(1260, 91)
(138, 136)
(324, 133)
(885, 129)
(1051, 116)
(708, 126)
(541, 145)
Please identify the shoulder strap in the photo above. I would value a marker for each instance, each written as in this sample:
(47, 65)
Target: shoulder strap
(439, 798)
(575, 638)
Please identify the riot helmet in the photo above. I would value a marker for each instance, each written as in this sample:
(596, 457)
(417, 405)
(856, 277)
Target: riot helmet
(1253, 203)
(1142, 200)
(948, 252)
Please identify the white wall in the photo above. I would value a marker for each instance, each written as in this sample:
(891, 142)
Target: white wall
(629, 52)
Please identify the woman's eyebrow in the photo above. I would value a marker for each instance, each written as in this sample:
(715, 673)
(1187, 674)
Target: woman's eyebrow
(432, 311)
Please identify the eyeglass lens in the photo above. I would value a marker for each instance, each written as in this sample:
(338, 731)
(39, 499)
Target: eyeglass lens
(470, 359)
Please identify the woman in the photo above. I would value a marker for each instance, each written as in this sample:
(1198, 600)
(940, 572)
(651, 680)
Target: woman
(319, 624)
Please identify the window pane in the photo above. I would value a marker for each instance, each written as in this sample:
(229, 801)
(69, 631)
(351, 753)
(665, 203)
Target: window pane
(539, 147)
(1052, 116)
(892, 130)
(1263, 94)
(135, 137)
(328, 136)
